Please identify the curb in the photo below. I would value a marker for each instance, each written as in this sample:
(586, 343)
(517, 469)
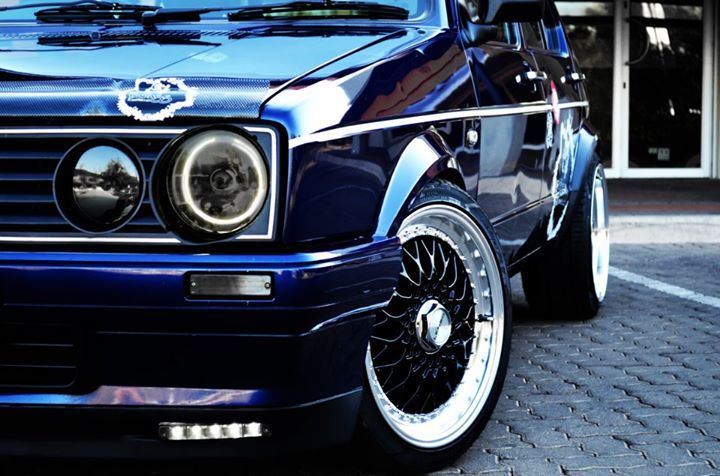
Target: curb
(670, 228)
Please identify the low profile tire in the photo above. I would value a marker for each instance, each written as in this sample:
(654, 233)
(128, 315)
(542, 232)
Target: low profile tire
(569, 280)
(438, 353)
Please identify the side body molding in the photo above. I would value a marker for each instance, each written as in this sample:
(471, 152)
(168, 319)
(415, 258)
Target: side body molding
(424, 158)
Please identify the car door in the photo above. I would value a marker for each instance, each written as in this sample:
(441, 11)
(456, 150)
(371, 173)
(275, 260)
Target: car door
(512, 137)
(565, 92)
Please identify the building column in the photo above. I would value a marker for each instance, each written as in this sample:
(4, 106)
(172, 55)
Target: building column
(715, 168)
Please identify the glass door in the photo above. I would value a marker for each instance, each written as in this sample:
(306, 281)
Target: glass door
(591, 29)
(649, 68)
(666, 85)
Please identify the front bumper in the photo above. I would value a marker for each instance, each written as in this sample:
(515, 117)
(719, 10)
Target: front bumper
(118, 432)
(142, 346)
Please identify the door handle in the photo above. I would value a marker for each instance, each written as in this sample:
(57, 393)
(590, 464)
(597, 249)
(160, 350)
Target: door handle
(531, 77)
(573, 78)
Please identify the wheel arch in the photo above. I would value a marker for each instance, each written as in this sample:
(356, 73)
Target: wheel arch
(585, 157)
(427, 157)
(584, 160)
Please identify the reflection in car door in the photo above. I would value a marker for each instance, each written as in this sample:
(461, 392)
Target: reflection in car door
(564, 91)
(512, 138)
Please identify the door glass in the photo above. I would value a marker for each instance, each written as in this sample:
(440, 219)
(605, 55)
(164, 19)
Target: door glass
(589, 26)
(533, 35)
(666, 58)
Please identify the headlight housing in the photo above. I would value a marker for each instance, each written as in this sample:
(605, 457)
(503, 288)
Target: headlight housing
(217, 182)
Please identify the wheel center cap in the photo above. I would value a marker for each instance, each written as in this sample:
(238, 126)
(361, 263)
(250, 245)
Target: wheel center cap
(433, 326)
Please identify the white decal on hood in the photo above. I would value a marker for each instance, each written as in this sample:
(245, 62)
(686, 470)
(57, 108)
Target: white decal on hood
(156, 99)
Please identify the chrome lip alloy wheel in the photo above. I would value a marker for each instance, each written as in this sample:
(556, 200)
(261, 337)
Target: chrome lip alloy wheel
(600, 234)
(435, 349)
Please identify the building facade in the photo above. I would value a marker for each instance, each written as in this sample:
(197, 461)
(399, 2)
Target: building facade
(653, 81)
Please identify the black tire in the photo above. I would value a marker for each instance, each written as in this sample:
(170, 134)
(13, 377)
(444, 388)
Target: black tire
(382, 447)
(559, 283)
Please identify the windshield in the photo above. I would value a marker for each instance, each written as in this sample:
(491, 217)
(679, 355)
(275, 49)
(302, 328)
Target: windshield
(419, 9)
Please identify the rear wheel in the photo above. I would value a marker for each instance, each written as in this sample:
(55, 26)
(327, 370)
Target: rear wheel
(438, 353)
(570, 279)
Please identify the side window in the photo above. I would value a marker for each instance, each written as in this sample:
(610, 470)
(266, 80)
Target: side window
(505, 34)
(554, 35)
(533, 35)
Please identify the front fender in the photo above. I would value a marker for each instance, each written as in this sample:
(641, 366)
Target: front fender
(425, 158)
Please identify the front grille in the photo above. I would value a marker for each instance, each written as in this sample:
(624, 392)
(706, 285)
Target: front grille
(27, 169)
(36, 357)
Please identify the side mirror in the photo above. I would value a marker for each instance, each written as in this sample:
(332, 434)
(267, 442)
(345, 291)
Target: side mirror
(480, 26)
(511, 11)
(474, 32)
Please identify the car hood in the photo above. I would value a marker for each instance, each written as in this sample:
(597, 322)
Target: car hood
(153, 76)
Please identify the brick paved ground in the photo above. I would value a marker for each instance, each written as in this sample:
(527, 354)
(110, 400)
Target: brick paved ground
(635, 391)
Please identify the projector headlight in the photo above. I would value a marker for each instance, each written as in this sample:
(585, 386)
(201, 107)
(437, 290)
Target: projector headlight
(218, 182)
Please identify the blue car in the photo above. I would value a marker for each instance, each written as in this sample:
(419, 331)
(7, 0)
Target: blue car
(240, 227)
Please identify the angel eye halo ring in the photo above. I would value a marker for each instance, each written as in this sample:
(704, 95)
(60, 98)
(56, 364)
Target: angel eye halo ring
(216, 182)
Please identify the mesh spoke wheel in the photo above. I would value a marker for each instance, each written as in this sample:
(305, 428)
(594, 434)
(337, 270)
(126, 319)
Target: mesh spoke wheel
(435, 349)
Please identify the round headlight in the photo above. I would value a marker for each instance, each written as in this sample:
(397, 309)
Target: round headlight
(218, 182)
(99, 185)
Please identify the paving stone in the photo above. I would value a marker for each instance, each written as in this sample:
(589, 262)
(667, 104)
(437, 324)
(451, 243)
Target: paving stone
(603, 445)
(608, 462)
(551, 410)
(512, 441)
(691, 436)
(661, 424)
(588, 472)
(702, 447)
(495, 429)
(694, 469)
(667, 455)
(583, 429)
(476, 461)
(535, 467)
(605, 416)
(712, 429)
(526, 453)
(546, 438)
(661, 399)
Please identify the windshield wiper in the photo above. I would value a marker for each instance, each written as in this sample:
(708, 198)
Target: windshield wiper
(162, 15)
(91, 10)
(94, 40)
(326, 9)
(29, 6)
(109, 11)
(105, 11)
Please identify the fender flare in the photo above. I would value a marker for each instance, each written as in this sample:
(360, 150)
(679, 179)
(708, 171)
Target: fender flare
(425, 158)
(584, 158)
(570, 178)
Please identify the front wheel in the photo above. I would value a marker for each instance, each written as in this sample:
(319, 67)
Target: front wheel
(438, 353)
